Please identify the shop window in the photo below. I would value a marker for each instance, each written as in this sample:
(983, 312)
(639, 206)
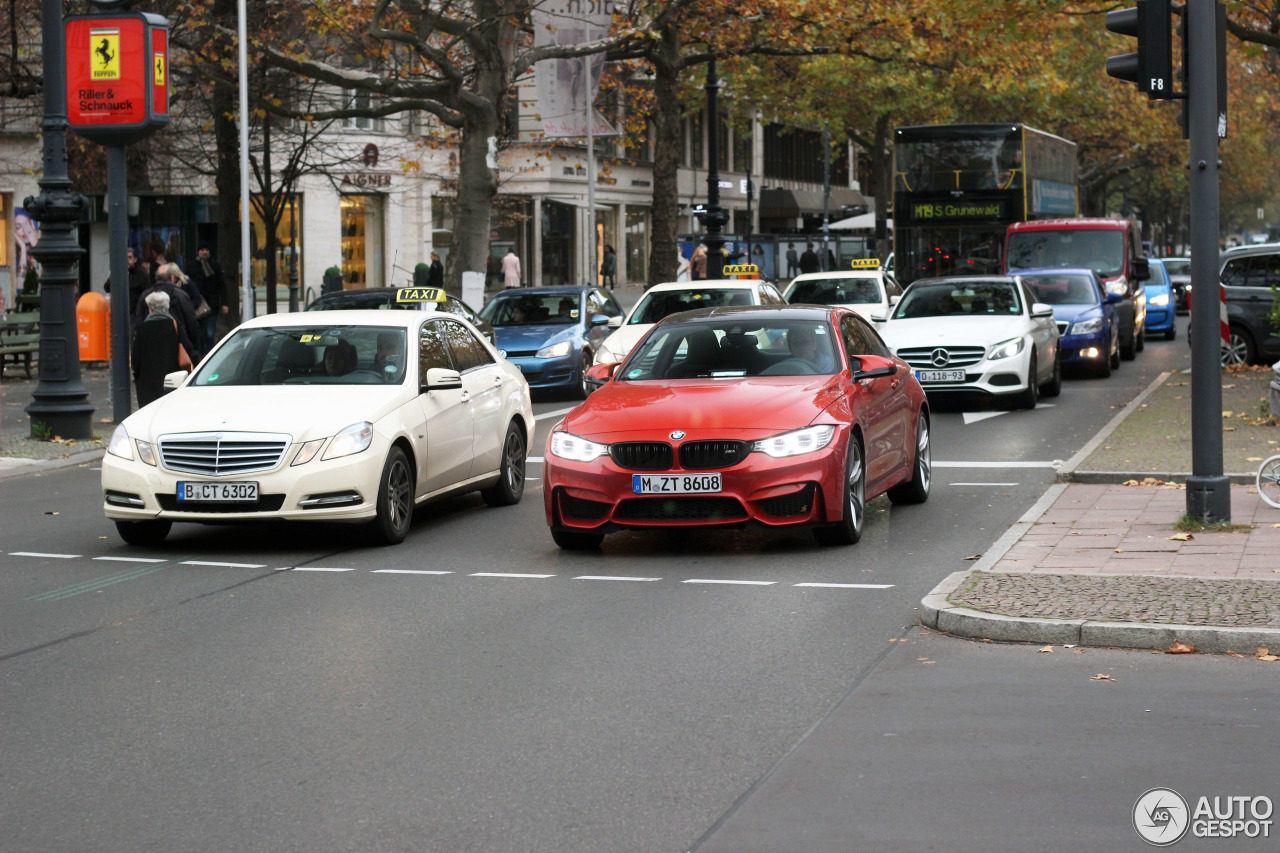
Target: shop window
(362, 241)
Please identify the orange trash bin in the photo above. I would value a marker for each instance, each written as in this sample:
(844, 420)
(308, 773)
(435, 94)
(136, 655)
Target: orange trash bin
(93, 325)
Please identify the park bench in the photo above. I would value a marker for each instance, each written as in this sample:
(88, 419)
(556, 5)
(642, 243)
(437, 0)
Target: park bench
(19, 338)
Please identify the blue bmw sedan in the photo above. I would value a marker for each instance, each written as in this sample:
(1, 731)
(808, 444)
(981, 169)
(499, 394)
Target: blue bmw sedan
(551, 333)
(1085, 314)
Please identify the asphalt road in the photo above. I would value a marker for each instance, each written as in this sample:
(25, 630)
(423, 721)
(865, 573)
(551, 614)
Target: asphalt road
(476, 689)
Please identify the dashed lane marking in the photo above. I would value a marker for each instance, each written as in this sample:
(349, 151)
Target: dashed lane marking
(41, 554)
(224, 565)
(734, 583)
(508, 575)
(132, 559)
(611, 578)
(1009, 464)
(848, 585)
(319, 569)
(984, 484)
(408, 572)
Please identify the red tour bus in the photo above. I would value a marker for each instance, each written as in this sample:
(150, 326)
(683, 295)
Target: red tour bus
(1112, 248)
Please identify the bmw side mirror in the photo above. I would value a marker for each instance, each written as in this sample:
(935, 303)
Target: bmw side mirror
(889, 368)
(442, 379)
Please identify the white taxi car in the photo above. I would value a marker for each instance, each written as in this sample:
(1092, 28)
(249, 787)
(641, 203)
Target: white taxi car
(345, 416)
(673, 297)
(864, 288)
(977, 333)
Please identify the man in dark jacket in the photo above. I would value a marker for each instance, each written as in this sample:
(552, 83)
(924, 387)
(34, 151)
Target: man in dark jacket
(169, 280)
(435, 275)
(206, 274)
(809, 260)
(138, 281)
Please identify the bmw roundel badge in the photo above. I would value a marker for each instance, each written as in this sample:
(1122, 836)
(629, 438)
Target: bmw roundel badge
(677, 435)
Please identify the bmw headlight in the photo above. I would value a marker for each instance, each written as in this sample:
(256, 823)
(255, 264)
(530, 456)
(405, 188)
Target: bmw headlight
(796, 442)
(1087, 327)
(554, 351)
(1160, 300)
(1006, 349)
(120, 444)
(566, 445)
(354, 439)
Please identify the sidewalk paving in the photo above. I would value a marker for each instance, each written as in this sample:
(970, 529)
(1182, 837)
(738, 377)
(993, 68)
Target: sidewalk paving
(1094, 562)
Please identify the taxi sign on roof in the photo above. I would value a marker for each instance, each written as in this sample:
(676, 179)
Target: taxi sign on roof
(741, 269)
(419, 294)
(865, 263)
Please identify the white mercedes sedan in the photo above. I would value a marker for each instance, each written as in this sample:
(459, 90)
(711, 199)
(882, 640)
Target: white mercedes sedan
(984, 334)
(341, 416)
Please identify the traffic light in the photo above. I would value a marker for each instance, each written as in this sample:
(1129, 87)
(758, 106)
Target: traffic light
(1152, 66)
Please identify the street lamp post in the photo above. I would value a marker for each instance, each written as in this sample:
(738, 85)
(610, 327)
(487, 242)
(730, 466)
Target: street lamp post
(715, 218)
(60, 402)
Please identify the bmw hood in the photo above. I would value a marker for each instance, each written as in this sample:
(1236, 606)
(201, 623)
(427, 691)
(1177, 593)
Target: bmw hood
(304, 412)
(763, 405)
(530, 339)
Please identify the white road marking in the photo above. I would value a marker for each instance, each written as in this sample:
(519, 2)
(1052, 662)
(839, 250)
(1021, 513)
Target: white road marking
(557, 413)
(848, 585)
(408, 572)
(319, 569)
(224, 565)
(40, 554)
(739, 583)
(611, 578)
(507, 575)
(132, 559)
(937, 464)
(537, 459)
(984, 484)
(974, 417)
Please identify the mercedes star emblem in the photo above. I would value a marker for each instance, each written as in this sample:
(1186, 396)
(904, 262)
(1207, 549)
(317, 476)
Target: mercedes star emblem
(939, 358)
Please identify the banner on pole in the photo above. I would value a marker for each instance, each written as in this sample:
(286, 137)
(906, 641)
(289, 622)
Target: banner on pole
(566, 87)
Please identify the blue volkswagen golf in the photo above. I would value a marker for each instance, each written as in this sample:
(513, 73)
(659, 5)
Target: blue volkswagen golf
(1161, 301)
(1085, 314)
(551, 333)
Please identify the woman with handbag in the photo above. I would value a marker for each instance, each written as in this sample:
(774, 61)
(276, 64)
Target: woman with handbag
(158, 349)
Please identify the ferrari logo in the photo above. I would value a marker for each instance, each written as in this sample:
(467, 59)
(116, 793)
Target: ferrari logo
(104, 58)
(159, 69)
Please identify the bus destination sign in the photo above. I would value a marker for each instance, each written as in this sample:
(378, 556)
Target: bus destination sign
(923, 211)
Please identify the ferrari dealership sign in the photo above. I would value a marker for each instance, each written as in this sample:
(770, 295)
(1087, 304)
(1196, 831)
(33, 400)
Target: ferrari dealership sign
(117, 76)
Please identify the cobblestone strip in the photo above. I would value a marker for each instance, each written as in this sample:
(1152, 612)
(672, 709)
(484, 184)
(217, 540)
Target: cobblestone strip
(1143, 599)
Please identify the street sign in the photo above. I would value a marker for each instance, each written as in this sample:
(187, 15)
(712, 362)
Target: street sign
(117, 76)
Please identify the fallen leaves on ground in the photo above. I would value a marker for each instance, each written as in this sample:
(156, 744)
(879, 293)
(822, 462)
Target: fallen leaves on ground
(1182, 537)
(1045, 649)
(1179, 648)
(974, 557)
(925, 661)
(1102, 677)
(1263, 653)
(1146, 481)
(50, 512)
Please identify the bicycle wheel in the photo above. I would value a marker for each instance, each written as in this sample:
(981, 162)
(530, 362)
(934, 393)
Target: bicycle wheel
(1269, 481)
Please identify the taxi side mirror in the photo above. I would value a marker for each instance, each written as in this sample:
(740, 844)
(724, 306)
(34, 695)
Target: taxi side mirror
(615, 322)
(441, 379)
(175, 379)
(1039, 309)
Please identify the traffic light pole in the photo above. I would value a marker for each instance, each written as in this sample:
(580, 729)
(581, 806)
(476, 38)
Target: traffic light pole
(1208, 489)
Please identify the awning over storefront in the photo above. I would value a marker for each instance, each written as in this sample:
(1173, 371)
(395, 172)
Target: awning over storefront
(854, 223)
(789, 203)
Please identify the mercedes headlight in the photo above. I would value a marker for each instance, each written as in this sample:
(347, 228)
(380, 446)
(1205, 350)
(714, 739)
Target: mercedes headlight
(354, 439)
(796, 442)
(566, 445)
(1087, 327)
(120, 444)
(605, 356)
(554, 351)
(1005, 349)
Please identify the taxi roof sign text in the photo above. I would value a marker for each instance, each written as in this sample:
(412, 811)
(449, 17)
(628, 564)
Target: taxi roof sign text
(865, 263)
(419, 294)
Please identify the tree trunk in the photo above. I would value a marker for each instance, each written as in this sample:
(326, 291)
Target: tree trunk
(663, 263)
(881, 166)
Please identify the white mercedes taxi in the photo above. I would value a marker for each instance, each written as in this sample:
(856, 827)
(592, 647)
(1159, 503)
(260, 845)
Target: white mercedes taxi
(342, 416)
(675, 296)
(977, 333)
(865, 288)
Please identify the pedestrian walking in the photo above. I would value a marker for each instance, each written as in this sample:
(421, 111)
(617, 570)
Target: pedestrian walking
(698, 263)
(809, 260)
(138, 281)
(609, 268)
(792, 260)
(169, 281)
(206, 275)
(157, 349)
(435, 275)
(511, 268)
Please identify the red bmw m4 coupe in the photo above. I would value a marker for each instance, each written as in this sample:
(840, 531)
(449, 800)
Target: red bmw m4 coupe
(781, 416)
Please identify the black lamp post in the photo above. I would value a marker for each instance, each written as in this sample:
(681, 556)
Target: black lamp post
(715, 218)
(60, 402)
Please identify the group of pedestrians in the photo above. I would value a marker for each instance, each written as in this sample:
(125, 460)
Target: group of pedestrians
(174, 316)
